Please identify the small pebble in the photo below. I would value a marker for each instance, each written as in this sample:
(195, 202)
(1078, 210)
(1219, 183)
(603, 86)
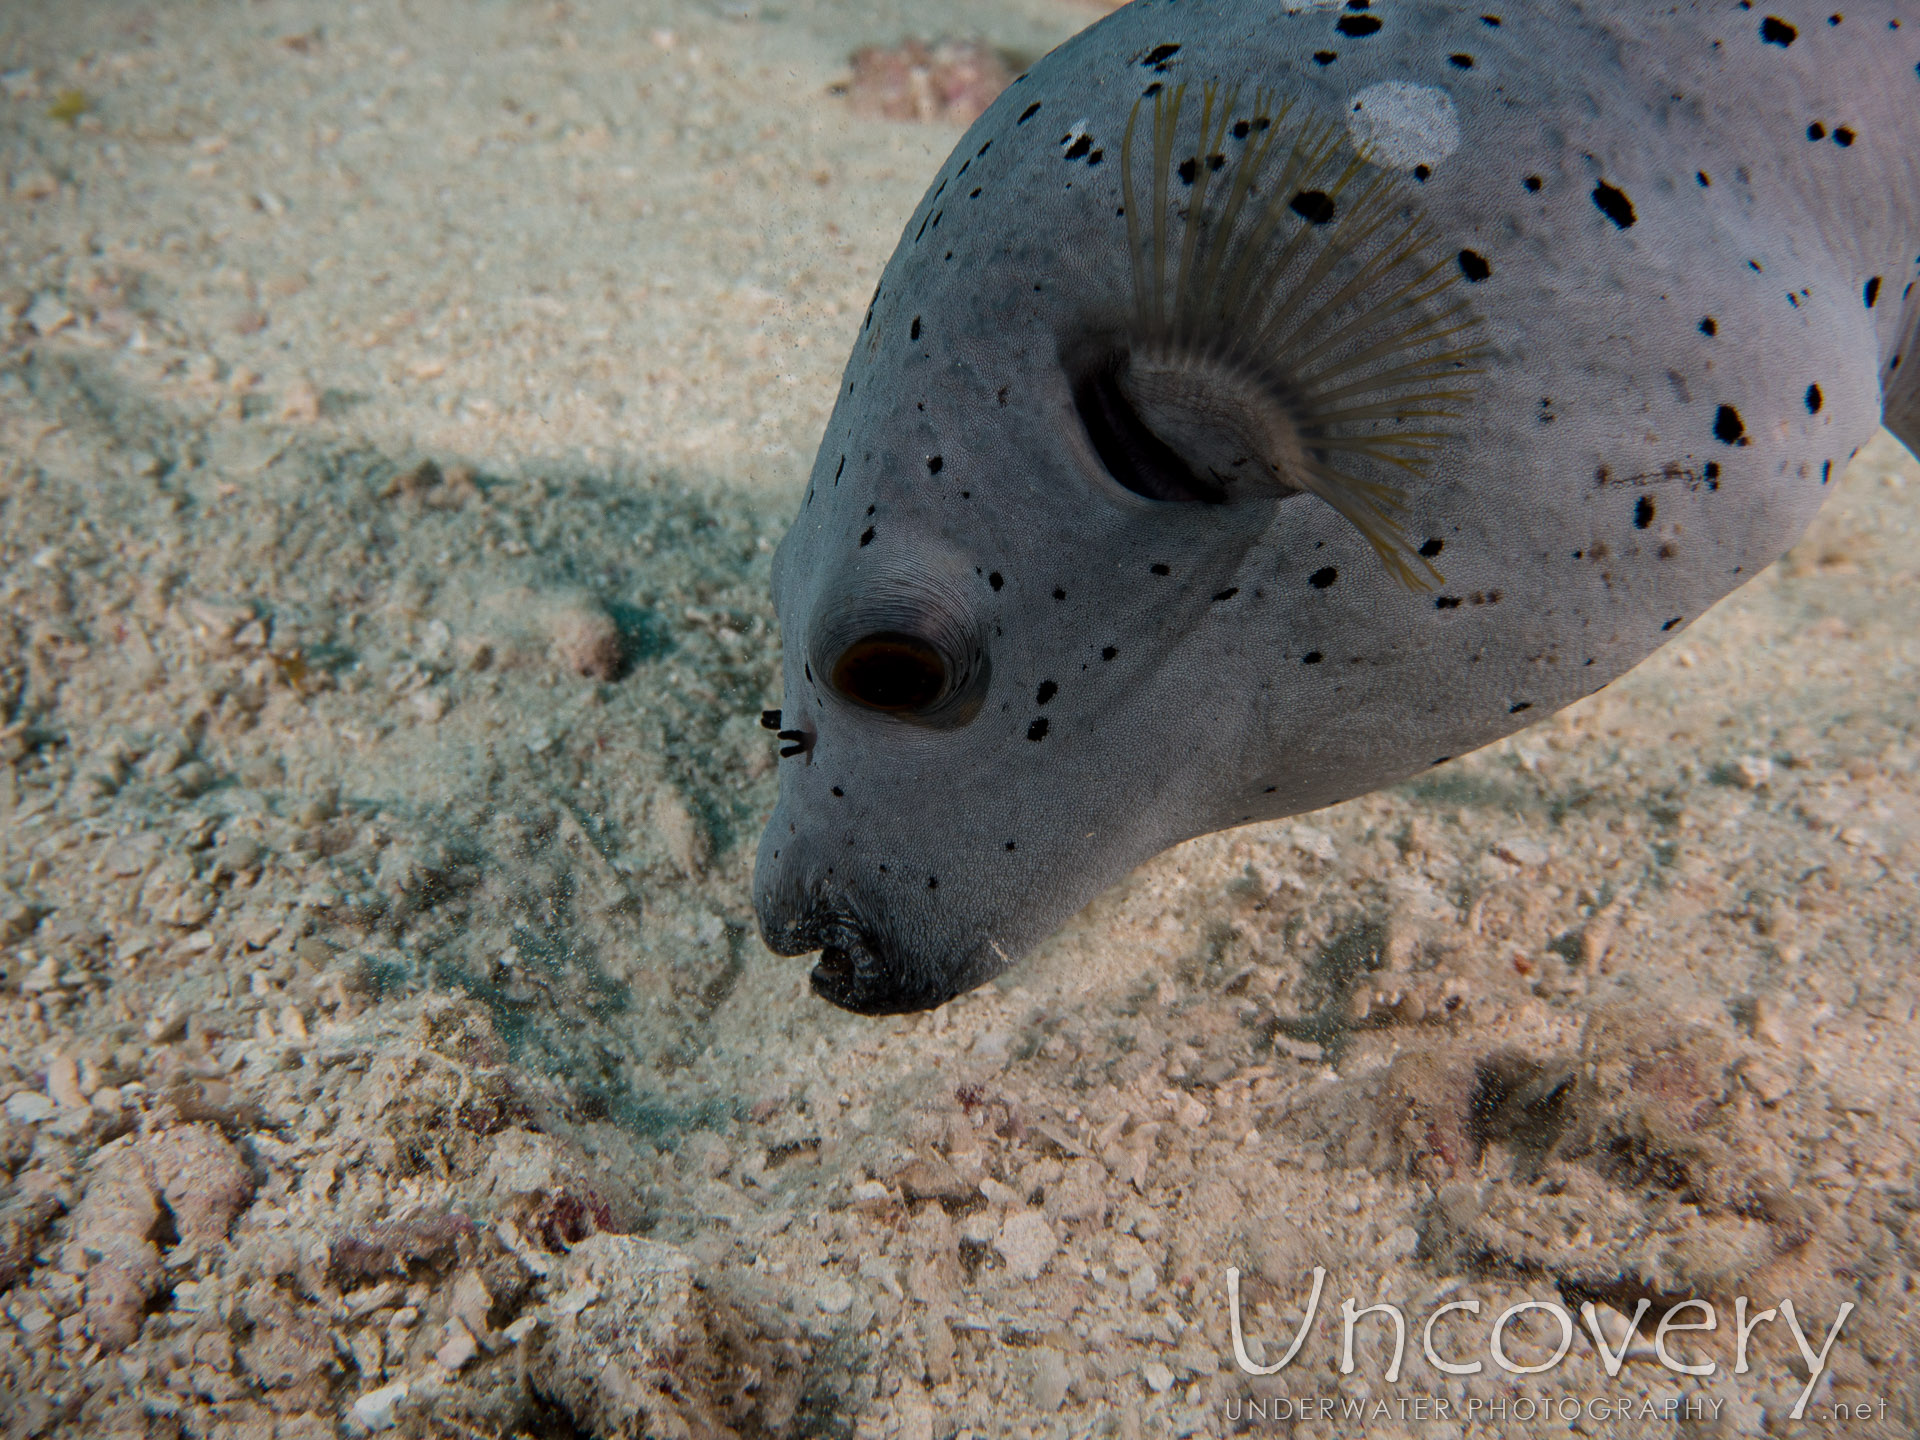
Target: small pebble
(47, 315)
(586, 642)
(1027, 1243)
(459, 1348)
(63, 1083)
(1522, 851)
(374, 1410)
(834, 1298)
(29, 1107)
(1158, 1377)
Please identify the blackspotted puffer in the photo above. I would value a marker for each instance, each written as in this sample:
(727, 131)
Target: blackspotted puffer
(1269, 402)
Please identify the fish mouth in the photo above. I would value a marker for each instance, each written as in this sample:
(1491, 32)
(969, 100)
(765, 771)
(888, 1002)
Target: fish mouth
(860, 968)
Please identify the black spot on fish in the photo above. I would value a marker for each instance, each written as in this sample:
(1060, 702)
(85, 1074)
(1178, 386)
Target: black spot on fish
(1492, 21)
(1357, 25)
(1671, 623)
(1325, 57)
(1474, 266)
(1028, 113)
(934, 464)
(1079, 147)
(1712, 471)
(1614, 204)
(1516, 709)
(1446, 602)
(838, 469)
(1431, 548)
(1108, 653)
(1423, 173)
(1011, 845)
(1775, 31)
(1322, 578)
(1872, 293)
(1313, 206)
(1816, 131)
(1643, 512)
(1702, 179)
(1709, 326)
(866, 536)
(1843, 137)
(913, 330)
(1312, 657)
(1160, 569)
(1728, 427)
(1534, 182)
(995, 580)
(1814, 400)
(838, 791)
(1460, 62)
(1038, 729)
(1188, 169)
(1046, 692)
(1158, 56)
(1227, 594)
(769, 719)
(1058, 593)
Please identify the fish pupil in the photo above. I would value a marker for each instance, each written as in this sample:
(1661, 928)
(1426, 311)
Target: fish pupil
(890, 671)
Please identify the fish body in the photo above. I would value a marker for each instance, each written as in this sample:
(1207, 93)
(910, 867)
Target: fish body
(1267, 403)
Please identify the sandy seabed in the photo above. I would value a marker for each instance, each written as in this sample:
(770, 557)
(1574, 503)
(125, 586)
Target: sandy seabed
(398, 408)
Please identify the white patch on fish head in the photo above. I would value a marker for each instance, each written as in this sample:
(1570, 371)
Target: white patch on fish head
(1400, 125)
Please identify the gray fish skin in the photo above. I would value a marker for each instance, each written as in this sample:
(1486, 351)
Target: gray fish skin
(1581, 525)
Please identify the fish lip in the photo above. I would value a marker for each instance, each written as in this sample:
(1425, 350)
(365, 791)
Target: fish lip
(854, 972)
(853, 978)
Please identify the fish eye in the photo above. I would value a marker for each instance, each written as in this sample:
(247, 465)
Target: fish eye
(892, 671)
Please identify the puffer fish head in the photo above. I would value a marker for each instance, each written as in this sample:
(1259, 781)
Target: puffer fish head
(1184, 474)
